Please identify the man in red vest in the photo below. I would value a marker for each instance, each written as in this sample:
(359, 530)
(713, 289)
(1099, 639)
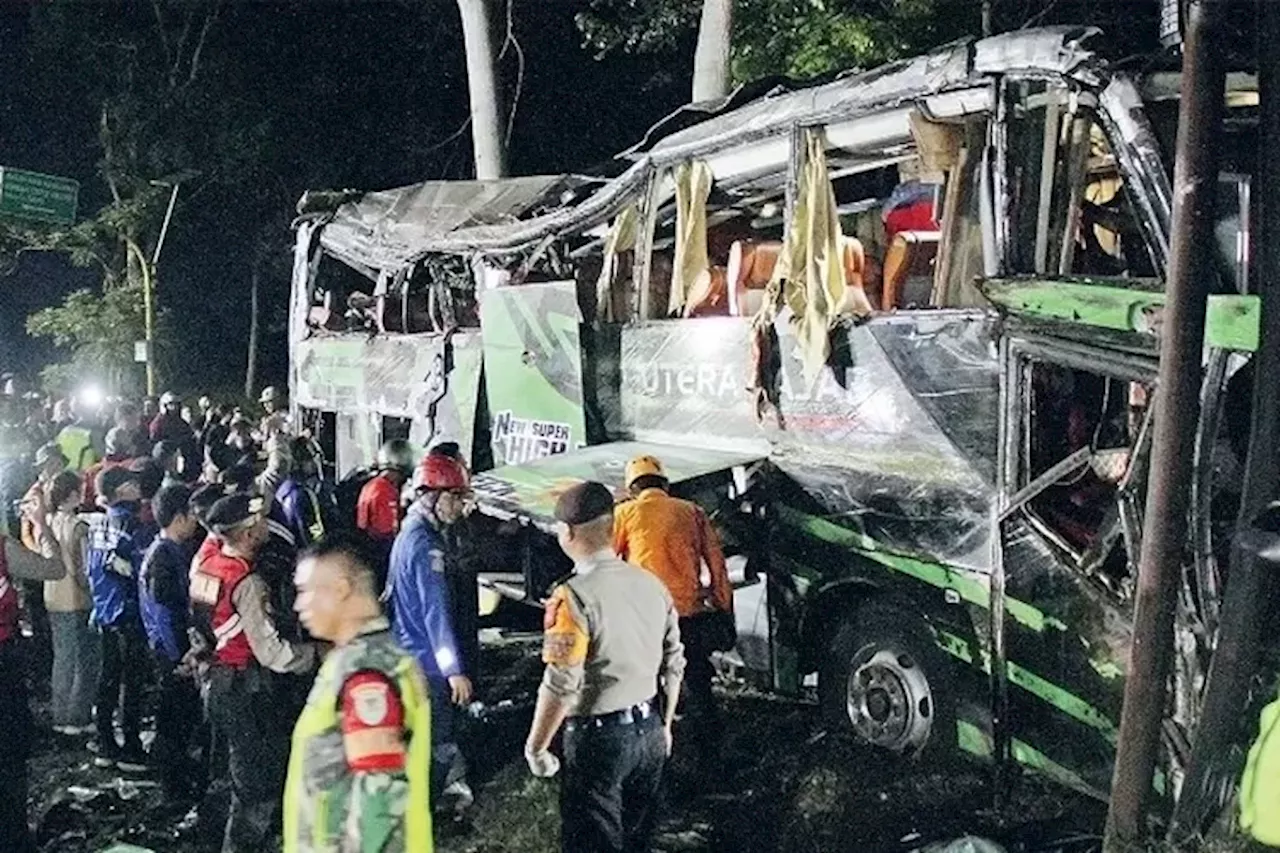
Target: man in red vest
(231, 604)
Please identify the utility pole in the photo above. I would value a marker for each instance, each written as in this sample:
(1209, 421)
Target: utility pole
(1177, 409)
(148, 286)
(1235, 656)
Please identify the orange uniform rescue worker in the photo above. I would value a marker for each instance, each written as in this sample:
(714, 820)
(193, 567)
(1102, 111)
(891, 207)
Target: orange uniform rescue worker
(674, 539)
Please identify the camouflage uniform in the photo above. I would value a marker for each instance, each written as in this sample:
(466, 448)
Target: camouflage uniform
(360, 769)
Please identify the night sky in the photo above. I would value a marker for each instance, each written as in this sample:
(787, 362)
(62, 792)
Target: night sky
(359, 94)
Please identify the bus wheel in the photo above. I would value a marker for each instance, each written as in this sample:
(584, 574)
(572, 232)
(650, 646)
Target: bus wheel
(881, 682)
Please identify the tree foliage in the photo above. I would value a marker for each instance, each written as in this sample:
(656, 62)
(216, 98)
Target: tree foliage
(144, 76)
(795, 38)
(99, 331)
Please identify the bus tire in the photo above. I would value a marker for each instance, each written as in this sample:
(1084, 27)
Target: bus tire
(884, 683)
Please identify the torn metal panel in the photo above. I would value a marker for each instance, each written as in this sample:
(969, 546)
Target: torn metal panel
(1060, 50)
(1138, 150)
(895, 83)
(530, 491)
(896, 438)
(388, 229)
(426, 378)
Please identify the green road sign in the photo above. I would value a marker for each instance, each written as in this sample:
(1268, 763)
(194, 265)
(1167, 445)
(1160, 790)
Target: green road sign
(42, 198)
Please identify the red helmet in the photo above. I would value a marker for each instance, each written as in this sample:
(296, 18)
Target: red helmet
(441, 472)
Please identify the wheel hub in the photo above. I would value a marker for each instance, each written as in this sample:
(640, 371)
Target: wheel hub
(889, 701)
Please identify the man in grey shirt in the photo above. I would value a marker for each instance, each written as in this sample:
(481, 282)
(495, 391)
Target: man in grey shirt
(611, 635)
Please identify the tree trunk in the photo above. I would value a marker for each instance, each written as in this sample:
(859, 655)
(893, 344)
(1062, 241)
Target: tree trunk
(711, 57)
(251, 371)
(482, 82)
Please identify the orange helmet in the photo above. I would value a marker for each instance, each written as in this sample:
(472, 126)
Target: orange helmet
(643, 466)
(443, 473)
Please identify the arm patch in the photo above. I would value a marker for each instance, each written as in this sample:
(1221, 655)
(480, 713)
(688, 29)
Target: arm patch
(564, 641)
(372, 722)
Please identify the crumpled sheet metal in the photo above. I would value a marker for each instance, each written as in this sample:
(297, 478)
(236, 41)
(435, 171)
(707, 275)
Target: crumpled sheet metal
(1057, 49)
(1139, 153)
(374, 233)
(897, 437)
(388, 229)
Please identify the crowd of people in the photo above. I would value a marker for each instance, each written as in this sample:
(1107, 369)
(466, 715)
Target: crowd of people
(193, 562)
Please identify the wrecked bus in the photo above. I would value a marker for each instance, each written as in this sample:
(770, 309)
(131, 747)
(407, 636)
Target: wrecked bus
(897, 332)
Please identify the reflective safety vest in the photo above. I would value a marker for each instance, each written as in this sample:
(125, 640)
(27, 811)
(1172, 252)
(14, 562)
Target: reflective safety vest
(213, 583)
(8, 600)
(1260, 787)
(76, 443)
(328, 807)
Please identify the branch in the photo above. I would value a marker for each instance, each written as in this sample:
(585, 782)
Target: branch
(1040, 16)
(515, 98)
(163, 31)
(204, 35)
(442, 143)
(175, 64)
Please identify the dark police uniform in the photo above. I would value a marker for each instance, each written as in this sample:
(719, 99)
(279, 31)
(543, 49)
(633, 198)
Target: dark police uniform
(611, 632)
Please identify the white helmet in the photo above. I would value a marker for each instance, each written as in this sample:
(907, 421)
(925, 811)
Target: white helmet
(397, 455)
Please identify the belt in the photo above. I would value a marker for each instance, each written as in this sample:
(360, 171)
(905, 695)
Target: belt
(625, 717)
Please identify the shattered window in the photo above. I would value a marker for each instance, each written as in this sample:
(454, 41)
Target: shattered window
(336, 289)
(1069, 208)
(735, 224)
(1083, 442)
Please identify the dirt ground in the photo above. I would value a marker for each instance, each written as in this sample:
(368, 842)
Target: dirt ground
(782, 785)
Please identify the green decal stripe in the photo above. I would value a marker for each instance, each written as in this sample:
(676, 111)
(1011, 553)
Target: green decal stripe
(1060, 698)
(1231, 321)
(975, 741)
(969, 589)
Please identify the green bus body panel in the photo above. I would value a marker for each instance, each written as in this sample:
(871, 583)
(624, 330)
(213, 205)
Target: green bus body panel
(533, 371)
(965, 584)
(530, 490)
(1231, 322)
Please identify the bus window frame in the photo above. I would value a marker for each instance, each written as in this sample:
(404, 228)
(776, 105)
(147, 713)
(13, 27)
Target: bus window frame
(1020, 355)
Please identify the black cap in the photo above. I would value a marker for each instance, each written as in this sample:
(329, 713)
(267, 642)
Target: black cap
(449, 449)
(110, 481)
(231, 512)
(584, 502)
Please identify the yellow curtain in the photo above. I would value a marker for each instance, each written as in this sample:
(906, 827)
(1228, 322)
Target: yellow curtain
(810, 270)
(621, 238)
(693, 185)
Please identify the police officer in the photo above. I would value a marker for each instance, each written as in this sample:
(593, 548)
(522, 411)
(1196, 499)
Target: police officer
(360, 767)
(674, 539)
(231, 604)
(17, 563)
(611, 633)
(418, 592)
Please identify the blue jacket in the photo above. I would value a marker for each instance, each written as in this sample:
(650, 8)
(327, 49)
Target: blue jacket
(299, 510)
(112, 563)
(419, 597)
(162, 593)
